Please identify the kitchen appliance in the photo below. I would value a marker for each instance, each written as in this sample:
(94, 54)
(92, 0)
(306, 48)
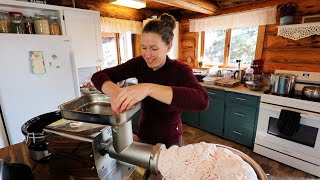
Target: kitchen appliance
(257, 66)
(300, 149)
(24, 93)
(114, 151)
(238, 73)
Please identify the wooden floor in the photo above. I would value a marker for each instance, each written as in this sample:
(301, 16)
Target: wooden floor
(273, 169)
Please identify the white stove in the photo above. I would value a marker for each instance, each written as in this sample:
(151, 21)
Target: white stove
(300, 149)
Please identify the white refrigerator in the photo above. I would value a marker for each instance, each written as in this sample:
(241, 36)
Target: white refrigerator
(37, 74)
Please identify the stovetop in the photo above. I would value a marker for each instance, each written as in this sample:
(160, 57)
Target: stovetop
(296, 101)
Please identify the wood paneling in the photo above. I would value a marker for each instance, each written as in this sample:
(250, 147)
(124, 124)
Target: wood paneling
(274, 41)
(279, 52)
(202, 6)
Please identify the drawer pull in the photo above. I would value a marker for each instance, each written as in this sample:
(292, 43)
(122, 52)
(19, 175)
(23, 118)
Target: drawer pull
(239, 114)
(211, 93)
(237, 132)
(241, 99)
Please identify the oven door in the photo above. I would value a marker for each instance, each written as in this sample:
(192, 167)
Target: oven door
(303, 144)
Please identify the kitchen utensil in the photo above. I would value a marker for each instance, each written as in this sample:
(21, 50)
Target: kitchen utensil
(254, 85)
(239, 74)
(226, 82)
(282, 84)
(311, 93)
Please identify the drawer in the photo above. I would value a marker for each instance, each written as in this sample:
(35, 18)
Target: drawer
(242, 99)
(240, 134)
(216, 93)
(240, 115)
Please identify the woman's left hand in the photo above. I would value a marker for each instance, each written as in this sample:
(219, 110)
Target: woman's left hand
(130, 95)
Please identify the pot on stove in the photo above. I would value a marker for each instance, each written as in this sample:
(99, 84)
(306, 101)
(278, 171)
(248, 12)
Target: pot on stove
(311, 93)
(282, 84)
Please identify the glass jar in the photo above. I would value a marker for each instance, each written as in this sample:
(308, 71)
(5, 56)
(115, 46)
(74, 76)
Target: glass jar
(16, 22)
(4, 22)
(28, 25)
(54, 25)
(41, 24)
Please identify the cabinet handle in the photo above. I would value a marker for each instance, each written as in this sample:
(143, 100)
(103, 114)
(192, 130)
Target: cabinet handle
(239, 114)
(211, 93)
(237, 132)
(242, 99)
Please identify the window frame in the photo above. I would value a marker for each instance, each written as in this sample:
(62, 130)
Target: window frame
(258, 51)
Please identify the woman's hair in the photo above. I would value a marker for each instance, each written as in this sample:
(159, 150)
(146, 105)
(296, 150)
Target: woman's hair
(163, 26)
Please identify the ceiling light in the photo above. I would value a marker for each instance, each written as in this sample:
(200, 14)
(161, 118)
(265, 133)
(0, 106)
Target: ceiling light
(137, 4)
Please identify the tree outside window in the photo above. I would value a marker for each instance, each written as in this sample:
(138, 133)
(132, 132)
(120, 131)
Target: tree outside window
(224, 47)
(243, 45)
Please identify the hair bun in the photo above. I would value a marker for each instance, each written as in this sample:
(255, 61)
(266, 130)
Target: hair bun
(168, 20)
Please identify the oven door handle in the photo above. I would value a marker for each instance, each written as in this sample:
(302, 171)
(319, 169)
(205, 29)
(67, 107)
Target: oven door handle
(303, 114)
(309, 116)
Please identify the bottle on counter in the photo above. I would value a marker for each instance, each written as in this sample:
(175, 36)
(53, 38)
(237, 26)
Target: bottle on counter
(41, 24)
(4, 22)
(28, 25)
(54, 25)
(16, 22)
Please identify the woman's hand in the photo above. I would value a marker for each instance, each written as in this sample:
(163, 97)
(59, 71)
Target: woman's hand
(126, 97)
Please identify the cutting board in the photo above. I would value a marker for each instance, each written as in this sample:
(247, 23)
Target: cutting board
(227, 82)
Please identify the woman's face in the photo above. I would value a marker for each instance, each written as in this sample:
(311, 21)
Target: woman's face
(154, 50)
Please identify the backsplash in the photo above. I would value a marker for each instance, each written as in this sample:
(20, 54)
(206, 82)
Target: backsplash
(86, 73)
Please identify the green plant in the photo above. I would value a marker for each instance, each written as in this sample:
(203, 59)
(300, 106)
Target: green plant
(287, 9)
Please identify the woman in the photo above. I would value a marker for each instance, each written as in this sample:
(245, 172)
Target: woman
(165, 87)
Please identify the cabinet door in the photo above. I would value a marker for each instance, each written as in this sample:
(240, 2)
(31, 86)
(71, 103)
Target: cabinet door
(83, 28)
(240, 123)
(211, 120)
(191, 118)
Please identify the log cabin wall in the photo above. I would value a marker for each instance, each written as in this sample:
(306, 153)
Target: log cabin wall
(278, 52)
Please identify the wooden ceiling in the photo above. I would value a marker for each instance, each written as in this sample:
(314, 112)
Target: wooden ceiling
(179, 8)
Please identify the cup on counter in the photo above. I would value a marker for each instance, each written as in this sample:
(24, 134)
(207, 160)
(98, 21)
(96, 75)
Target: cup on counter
(228, 74)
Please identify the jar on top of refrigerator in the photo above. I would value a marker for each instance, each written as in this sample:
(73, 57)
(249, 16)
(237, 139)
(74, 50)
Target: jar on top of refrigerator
(41, 24)
(4, 22)
(28, 25)
(16, 22)
(54, 25)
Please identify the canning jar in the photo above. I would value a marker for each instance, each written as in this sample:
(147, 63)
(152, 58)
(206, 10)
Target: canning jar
(28, 25)
(54, 25)
(16, 22)
(41, 24)
(4, 22)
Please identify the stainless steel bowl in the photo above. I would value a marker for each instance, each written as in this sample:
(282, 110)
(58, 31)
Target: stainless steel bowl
(256, 167)
(254, 85)
(311, 93)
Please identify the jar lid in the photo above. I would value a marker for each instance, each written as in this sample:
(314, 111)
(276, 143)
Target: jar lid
(15, 13)
(53, 17)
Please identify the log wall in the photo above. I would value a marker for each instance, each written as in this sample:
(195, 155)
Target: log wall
(278, 52)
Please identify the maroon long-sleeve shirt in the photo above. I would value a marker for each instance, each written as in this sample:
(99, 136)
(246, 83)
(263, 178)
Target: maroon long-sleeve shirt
(159, 122)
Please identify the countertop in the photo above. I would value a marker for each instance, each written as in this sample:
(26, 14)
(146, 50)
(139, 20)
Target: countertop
(19, 153)
(238, 89)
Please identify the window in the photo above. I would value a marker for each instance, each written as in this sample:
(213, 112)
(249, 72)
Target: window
(117, 48)
(224, 47)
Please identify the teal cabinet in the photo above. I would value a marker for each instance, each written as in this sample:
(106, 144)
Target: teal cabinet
(190, 118)
(241, 113)
(211, 120)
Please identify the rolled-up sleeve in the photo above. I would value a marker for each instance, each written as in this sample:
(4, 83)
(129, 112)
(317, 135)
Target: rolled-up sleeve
(189, 95)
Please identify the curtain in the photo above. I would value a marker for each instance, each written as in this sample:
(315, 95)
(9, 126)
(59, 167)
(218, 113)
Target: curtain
(249, 18)
(112, 25)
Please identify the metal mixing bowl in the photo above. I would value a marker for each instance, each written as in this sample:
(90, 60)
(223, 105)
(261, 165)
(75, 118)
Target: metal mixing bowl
(256, 167)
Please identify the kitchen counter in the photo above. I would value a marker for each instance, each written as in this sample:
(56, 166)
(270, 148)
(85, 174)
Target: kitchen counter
(237, 89)
(19, 153)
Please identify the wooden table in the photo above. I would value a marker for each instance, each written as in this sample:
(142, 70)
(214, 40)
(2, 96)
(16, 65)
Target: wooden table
(19, 153)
